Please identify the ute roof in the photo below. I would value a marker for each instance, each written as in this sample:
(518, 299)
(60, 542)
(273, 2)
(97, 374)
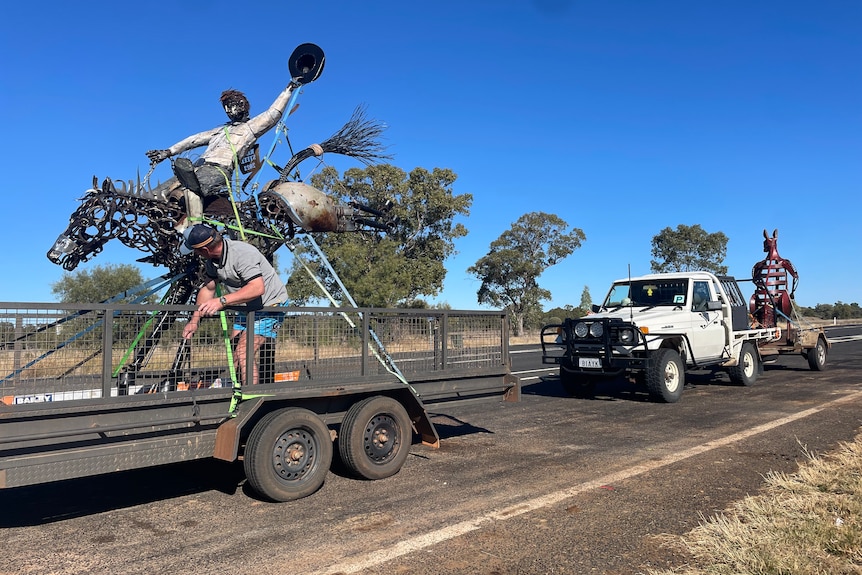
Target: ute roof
(671, 276)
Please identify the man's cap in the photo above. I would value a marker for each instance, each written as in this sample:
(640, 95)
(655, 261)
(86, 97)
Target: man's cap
(198, 236)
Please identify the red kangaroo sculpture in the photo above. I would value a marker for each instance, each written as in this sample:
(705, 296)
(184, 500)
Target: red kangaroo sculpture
(770, 277)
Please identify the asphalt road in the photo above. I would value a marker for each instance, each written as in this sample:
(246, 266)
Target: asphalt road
(549, 485)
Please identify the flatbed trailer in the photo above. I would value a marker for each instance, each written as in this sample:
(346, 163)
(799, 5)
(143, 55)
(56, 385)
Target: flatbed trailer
(85, 390)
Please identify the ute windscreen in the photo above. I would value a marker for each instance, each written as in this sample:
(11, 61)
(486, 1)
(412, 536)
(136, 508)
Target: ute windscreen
(648, 293)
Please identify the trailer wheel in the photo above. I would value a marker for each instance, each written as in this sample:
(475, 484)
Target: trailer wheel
(746, 371)
(817, 356)
(288, 454)
(576, 385)
(375, 437)
(665, 375)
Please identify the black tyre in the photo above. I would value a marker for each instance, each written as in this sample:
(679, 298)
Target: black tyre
(288, 454)
(577, 385)
(817, 356)
(748, 368)
(665, 375)
(375, 437)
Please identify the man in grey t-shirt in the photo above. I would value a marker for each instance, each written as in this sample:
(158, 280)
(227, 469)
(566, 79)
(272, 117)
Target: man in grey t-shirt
(245, 278)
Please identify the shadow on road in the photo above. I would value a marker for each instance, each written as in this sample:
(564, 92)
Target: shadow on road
(58, 501)
(449, 426)
(50, 502)
(620, 389)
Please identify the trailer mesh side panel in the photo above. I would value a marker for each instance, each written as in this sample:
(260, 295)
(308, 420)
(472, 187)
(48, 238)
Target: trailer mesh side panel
(54, 352)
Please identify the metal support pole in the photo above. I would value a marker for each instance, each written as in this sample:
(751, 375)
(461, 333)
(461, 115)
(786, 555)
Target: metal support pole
(107, 352)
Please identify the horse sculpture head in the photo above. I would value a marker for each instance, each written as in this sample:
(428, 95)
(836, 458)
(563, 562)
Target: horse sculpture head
(138, 220)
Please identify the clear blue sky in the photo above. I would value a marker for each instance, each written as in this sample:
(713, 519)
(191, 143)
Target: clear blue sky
(621, 117)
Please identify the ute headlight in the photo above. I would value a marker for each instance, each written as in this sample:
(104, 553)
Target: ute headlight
(597, 329)
(627, 336)
(581, 329)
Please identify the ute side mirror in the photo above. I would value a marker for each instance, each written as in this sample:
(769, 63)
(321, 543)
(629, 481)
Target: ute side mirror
(595, 308)
(713, 306)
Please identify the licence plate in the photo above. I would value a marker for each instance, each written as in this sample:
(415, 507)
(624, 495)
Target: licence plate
(590, 362)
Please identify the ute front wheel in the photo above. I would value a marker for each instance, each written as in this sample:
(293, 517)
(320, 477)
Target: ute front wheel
(288, 454)
(665, 376)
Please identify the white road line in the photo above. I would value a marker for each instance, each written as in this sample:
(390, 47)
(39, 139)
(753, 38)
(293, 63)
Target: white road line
(425, 540)
(544, 370)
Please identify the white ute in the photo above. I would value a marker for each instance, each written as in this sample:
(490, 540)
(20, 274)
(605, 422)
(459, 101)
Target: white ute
(654, 328)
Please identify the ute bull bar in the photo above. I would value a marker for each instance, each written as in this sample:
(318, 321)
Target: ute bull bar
(610, 347)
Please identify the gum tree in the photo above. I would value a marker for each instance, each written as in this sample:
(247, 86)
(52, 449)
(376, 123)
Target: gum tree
(688, 248)
(510, 271)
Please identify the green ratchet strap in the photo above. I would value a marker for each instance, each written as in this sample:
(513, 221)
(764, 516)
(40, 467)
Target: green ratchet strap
(138, 337)
(237, 386)
(231, 188)
(151, 318)
(217, 223)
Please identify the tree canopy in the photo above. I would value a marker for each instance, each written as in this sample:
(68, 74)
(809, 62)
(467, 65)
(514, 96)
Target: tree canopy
(510, 270)
(97, 284)
(688, 248)
(839, 310)
(393, 268)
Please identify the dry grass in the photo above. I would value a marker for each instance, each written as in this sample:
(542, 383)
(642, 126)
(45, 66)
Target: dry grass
(806, 523)
(526, 339)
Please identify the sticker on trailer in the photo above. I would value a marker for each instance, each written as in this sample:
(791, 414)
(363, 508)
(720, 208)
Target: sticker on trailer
(35, 398)
(52, 396)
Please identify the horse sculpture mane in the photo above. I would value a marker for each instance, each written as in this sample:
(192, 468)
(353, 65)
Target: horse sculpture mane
(148, 224)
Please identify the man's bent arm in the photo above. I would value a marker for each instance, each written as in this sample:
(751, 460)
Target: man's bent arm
(205, 294)
(252, 290)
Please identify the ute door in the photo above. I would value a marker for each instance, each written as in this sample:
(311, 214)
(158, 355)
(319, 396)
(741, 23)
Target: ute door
(707, 331)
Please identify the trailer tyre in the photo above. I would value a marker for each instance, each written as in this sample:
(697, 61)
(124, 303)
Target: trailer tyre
(288, 454)
(817, 356)
(748, 368)
(375, 437)
(665, 376)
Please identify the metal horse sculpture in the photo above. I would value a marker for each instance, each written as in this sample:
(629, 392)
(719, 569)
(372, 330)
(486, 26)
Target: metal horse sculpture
(770, 277)
(149, 222)
(142, 220)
